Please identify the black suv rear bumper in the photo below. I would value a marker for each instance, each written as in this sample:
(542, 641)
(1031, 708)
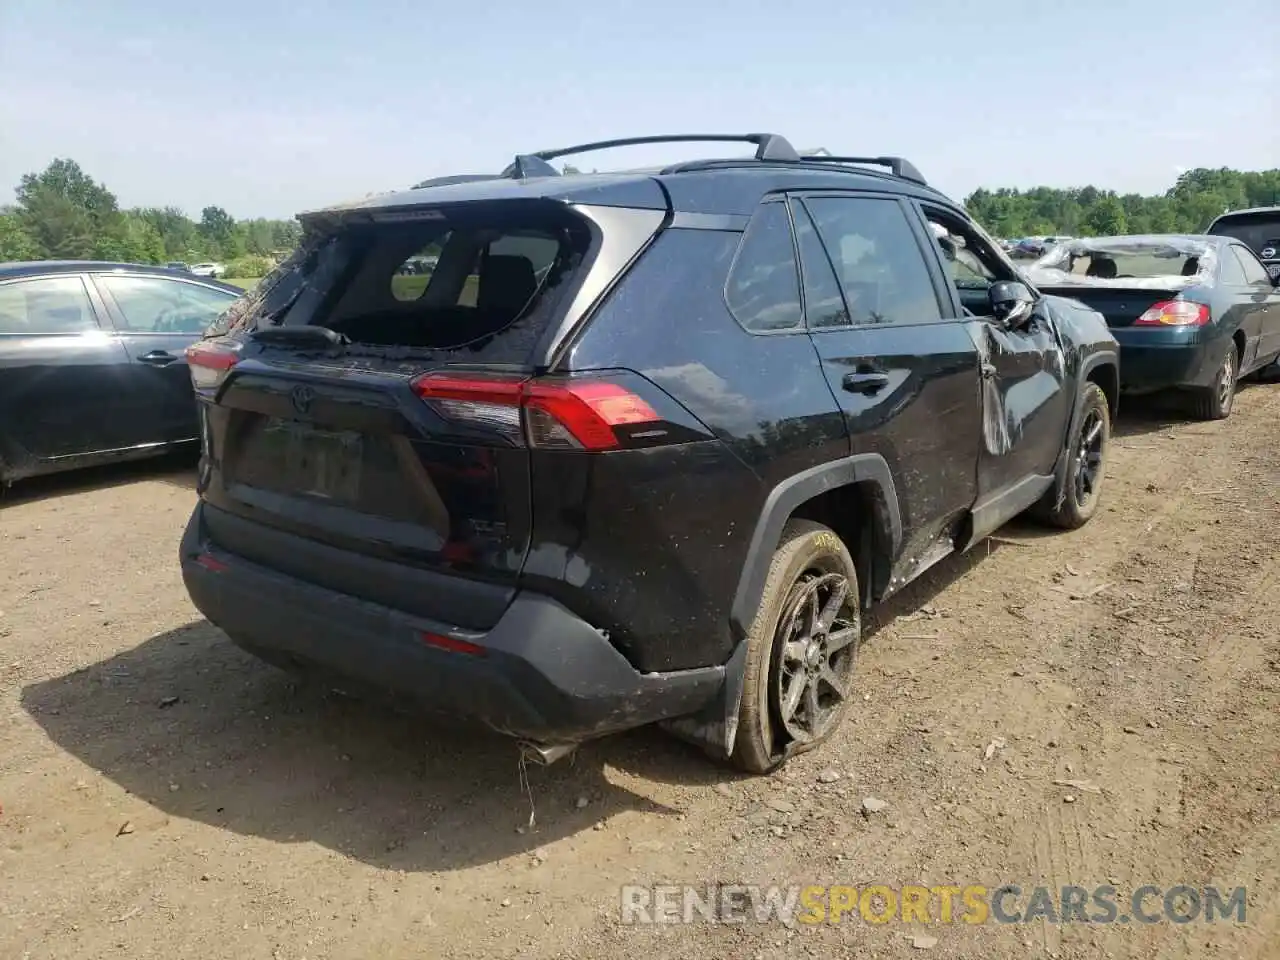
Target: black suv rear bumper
(541, 673)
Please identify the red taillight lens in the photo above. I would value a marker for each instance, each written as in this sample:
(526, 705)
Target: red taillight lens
(209, 361)
(453, 644)
(585, 412)
(572, 415)
(1174, 313)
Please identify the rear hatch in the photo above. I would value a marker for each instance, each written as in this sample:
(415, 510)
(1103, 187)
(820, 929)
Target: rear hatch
(327, 427)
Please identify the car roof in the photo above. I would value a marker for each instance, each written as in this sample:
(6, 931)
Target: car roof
(718, 187)
(31, 268)
(1251, 211)
(731, 185)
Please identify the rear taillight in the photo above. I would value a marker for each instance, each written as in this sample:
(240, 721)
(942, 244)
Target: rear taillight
(210, 360)
(573, 415)
(453, 644)
(1174, 313)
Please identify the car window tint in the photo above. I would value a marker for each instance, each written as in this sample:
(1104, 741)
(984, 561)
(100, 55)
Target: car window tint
(879, 264)
(1254, 271)
(158, 305)
(763, 290)
(46, 305)
(823, 302)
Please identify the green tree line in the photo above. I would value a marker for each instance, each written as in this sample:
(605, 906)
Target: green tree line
(1187, 207)
(64, 214)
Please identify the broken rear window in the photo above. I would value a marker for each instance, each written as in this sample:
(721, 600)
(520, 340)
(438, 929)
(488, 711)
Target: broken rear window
(1128, 261)
(480, 283)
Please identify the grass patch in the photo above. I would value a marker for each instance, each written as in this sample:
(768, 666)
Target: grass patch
(244, 283)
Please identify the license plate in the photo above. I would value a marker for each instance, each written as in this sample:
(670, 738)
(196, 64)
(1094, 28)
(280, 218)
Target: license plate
(321, 463)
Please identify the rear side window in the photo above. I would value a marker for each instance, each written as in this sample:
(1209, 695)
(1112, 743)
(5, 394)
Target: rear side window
(763, 289)
(479, 285)
(879, 264)
(46, 305)
(1232, 272)
(1254, 271)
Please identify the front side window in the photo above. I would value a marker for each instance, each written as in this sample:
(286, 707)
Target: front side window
(763, 290)
(881, 268)
(965, 261)
(46, 305)
(159, 305)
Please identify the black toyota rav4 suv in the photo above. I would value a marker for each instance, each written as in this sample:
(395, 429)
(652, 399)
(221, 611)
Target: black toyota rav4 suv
(639, 447)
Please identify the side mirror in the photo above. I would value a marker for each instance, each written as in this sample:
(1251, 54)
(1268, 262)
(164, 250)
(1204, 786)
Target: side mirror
(1011, 302)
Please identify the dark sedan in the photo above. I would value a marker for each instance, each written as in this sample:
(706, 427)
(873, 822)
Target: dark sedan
(92, 362)
(1191, 313)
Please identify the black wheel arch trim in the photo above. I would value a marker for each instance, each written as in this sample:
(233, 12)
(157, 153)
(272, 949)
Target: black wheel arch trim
(1087, 366)
(715, 728)
(781, 503)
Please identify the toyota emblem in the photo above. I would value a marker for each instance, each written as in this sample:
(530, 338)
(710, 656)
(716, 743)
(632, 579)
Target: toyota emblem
(302, 396)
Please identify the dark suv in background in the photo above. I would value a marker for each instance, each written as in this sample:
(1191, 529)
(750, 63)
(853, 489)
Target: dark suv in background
(1258, 228)
(638, 448)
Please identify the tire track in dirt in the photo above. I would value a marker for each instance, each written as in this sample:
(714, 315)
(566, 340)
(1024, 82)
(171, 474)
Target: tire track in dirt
(1212, 601)
(1058, 679)
(989, 649)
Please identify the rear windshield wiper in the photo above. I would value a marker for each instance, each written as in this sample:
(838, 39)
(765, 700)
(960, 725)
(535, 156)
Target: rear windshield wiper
(313, 337)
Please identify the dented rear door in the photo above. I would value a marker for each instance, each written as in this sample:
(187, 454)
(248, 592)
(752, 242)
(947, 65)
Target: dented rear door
(904, 374)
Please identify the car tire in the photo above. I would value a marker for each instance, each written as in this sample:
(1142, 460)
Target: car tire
(1215, 402)
(807, 632)
(1074, 503)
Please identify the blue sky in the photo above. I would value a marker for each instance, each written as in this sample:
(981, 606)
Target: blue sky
(268, 108)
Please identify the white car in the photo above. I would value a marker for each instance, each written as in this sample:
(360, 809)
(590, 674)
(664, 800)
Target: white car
(211, 270)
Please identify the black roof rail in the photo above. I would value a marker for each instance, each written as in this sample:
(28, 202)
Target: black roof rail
(898, 166)
(769, 146)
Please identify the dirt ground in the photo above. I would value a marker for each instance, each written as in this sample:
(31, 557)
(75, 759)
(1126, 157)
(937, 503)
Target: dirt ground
(166, 796)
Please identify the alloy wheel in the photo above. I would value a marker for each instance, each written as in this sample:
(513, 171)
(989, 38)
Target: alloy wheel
(1227, 381)
(1089, 456)
(817, 640)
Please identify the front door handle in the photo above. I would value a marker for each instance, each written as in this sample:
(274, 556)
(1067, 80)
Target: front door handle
(865, 381)
(157, 358)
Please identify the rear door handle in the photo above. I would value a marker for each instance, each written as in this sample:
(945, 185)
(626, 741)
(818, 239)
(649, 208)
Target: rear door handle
(157, 358)
(865, 381)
